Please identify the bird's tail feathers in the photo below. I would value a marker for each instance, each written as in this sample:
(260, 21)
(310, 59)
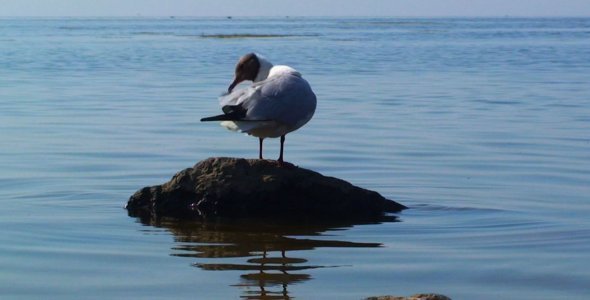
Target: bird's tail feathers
(222, 117)
(231, 117)
(231, 113)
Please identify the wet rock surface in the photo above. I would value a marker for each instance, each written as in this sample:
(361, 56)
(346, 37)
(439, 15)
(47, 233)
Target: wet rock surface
(250, 187)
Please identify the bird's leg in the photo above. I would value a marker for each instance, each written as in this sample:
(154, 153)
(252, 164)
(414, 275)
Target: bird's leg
(260, 148)
(280, 160)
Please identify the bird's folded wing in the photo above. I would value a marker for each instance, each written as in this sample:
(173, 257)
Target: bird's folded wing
(236, 97)
(286, 99)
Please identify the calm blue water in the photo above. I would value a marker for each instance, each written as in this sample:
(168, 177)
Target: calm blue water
(481, 126)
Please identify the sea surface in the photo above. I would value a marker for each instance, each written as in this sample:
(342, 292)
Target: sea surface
(480, 126)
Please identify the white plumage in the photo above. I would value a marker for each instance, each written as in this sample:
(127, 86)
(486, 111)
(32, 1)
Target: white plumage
(278, 102)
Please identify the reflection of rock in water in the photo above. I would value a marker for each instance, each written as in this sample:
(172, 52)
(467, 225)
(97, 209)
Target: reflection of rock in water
(263, 243)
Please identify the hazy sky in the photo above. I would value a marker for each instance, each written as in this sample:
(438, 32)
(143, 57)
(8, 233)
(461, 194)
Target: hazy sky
(295, 8)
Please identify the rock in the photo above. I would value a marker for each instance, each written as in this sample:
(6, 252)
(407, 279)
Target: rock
(414, 297)
(252, 187)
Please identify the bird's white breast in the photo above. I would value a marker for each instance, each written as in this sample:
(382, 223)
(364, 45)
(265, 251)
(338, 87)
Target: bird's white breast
(281, 70)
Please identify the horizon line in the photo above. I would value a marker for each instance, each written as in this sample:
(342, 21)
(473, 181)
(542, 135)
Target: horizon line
(294, 16)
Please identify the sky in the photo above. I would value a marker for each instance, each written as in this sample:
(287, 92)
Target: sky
(393, 8)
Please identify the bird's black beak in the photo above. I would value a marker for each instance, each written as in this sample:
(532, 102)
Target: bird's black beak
(236, 81)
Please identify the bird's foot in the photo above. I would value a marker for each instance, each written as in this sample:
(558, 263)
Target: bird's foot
(284, 164)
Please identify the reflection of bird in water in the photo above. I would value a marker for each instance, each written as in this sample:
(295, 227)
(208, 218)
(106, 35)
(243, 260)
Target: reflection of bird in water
(269, 272)
(257, 240)
(265, 278)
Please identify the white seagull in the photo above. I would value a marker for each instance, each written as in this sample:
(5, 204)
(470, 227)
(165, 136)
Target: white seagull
(278, 102)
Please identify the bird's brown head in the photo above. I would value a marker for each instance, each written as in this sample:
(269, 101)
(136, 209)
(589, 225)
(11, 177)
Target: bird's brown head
(246, 69)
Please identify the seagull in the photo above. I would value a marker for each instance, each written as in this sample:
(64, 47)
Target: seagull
(279, 101)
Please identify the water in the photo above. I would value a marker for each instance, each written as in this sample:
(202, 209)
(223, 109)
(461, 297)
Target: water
(481, 126)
